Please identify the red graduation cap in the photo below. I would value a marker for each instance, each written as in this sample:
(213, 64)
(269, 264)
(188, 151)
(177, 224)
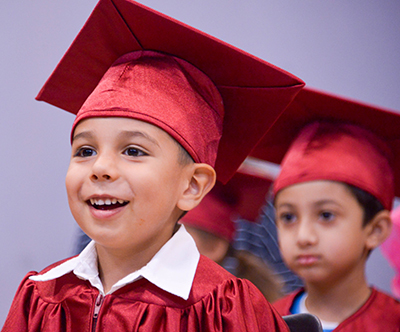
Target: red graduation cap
(323, 136)
(254, 92)
(243, 196)
(249, 187)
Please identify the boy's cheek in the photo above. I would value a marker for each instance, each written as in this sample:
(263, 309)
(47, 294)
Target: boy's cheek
(73, 183)
(69, 181)
(286, 242)
(280, 242)
(282, 234)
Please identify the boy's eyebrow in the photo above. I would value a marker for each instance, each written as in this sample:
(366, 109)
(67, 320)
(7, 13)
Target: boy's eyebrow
(317, 204)
(326, 201)
(123, 134)
(84, 134)
(131, 134)
(284, 205)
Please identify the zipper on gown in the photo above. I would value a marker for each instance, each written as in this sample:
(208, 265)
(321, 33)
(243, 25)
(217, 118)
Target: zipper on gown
(97, 306)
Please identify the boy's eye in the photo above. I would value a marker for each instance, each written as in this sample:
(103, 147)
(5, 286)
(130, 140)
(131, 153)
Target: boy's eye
(327, 216)
(287, 218)
(134, 152)
(85, 152)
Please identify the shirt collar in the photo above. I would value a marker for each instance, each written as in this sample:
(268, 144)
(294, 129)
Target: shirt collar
(172, 268)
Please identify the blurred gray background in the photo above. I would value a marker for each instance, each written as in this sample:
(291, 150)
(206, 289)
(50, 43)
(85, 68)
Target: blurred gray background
(346, 47)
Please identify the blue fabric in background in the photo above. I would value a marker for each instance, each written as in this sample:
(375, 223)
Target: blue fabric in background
(260, 238)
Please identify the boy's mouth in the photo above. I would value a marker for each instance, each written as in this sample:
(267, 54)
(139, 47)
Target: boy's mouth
(106, 203)
(307, 260)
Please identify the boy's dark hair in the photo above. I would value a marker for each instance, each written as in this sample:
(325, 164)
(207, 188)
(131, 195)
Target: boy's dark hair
(184, 157)
(370, 205)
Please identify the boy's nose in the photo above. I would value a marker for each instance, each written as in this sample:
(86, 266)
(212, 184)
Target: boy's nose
(103, 169)
(103, 176)
(306, 234)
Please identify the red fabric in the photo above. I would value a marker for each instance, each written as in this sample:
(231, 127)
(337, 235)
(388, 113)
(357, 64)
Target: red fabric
(165, 91)
(247, 192)
(218, 302)
(284, 304)
(380, 313)
(339, 152)
(254, 92)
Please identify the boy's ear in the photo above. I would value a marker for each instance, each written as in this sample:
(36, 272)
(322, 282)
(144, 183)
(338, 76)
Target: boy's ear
(378, 229)
(202, 180)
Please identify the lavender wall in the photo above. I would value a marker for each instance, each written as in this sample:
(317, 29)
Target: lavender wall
(349, 48)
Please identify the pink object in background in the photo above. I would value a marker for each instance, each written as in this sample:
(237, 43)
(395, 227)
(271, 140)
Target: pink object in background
(391, 248)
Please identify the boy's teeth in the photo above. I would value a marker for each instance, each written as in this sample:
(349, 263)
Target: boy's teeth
(107, 201)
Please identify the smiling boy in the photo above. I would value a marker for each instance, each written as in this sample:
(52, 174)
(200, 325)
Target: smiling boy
(119, 168)
(150, 127)
(333, 195)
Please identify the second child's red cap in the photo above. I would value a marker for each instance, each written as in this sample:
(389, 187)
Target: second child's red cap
(321, 136)
(340, 152)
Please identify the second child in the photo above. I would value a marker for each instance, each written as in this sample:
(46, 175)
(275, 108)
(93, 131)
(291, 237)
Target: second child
(333, 198)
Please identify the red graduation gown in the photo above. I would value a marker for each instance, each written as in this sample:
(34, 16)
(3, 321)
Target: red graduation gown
(379, 313)
(218, 301)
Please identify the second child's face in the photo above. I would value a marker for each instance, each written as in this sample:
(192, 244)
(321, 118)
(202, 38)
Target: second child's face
(124, 182)
(320, 231)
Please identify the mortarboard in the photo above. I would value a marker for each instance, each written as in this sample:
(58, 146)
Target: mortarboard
(254, 92)
(249, 187)
(323, 136)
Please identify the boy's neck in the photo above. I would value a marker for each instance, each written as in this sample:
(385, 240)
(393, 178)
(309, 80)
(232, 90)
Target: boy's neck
(115, 264)
(338, 300)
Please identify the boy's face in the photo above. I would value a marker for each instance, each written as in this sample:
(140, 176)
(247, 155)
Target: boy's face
(124, 182)
(320, 231)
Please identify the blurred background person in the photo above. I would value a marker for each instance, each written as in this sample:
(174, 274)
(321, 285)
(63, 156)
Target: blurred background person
(212, 226)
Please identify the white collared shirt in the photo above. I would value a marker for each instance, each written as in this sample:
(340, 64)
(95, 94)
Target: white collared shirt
(172, 268)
